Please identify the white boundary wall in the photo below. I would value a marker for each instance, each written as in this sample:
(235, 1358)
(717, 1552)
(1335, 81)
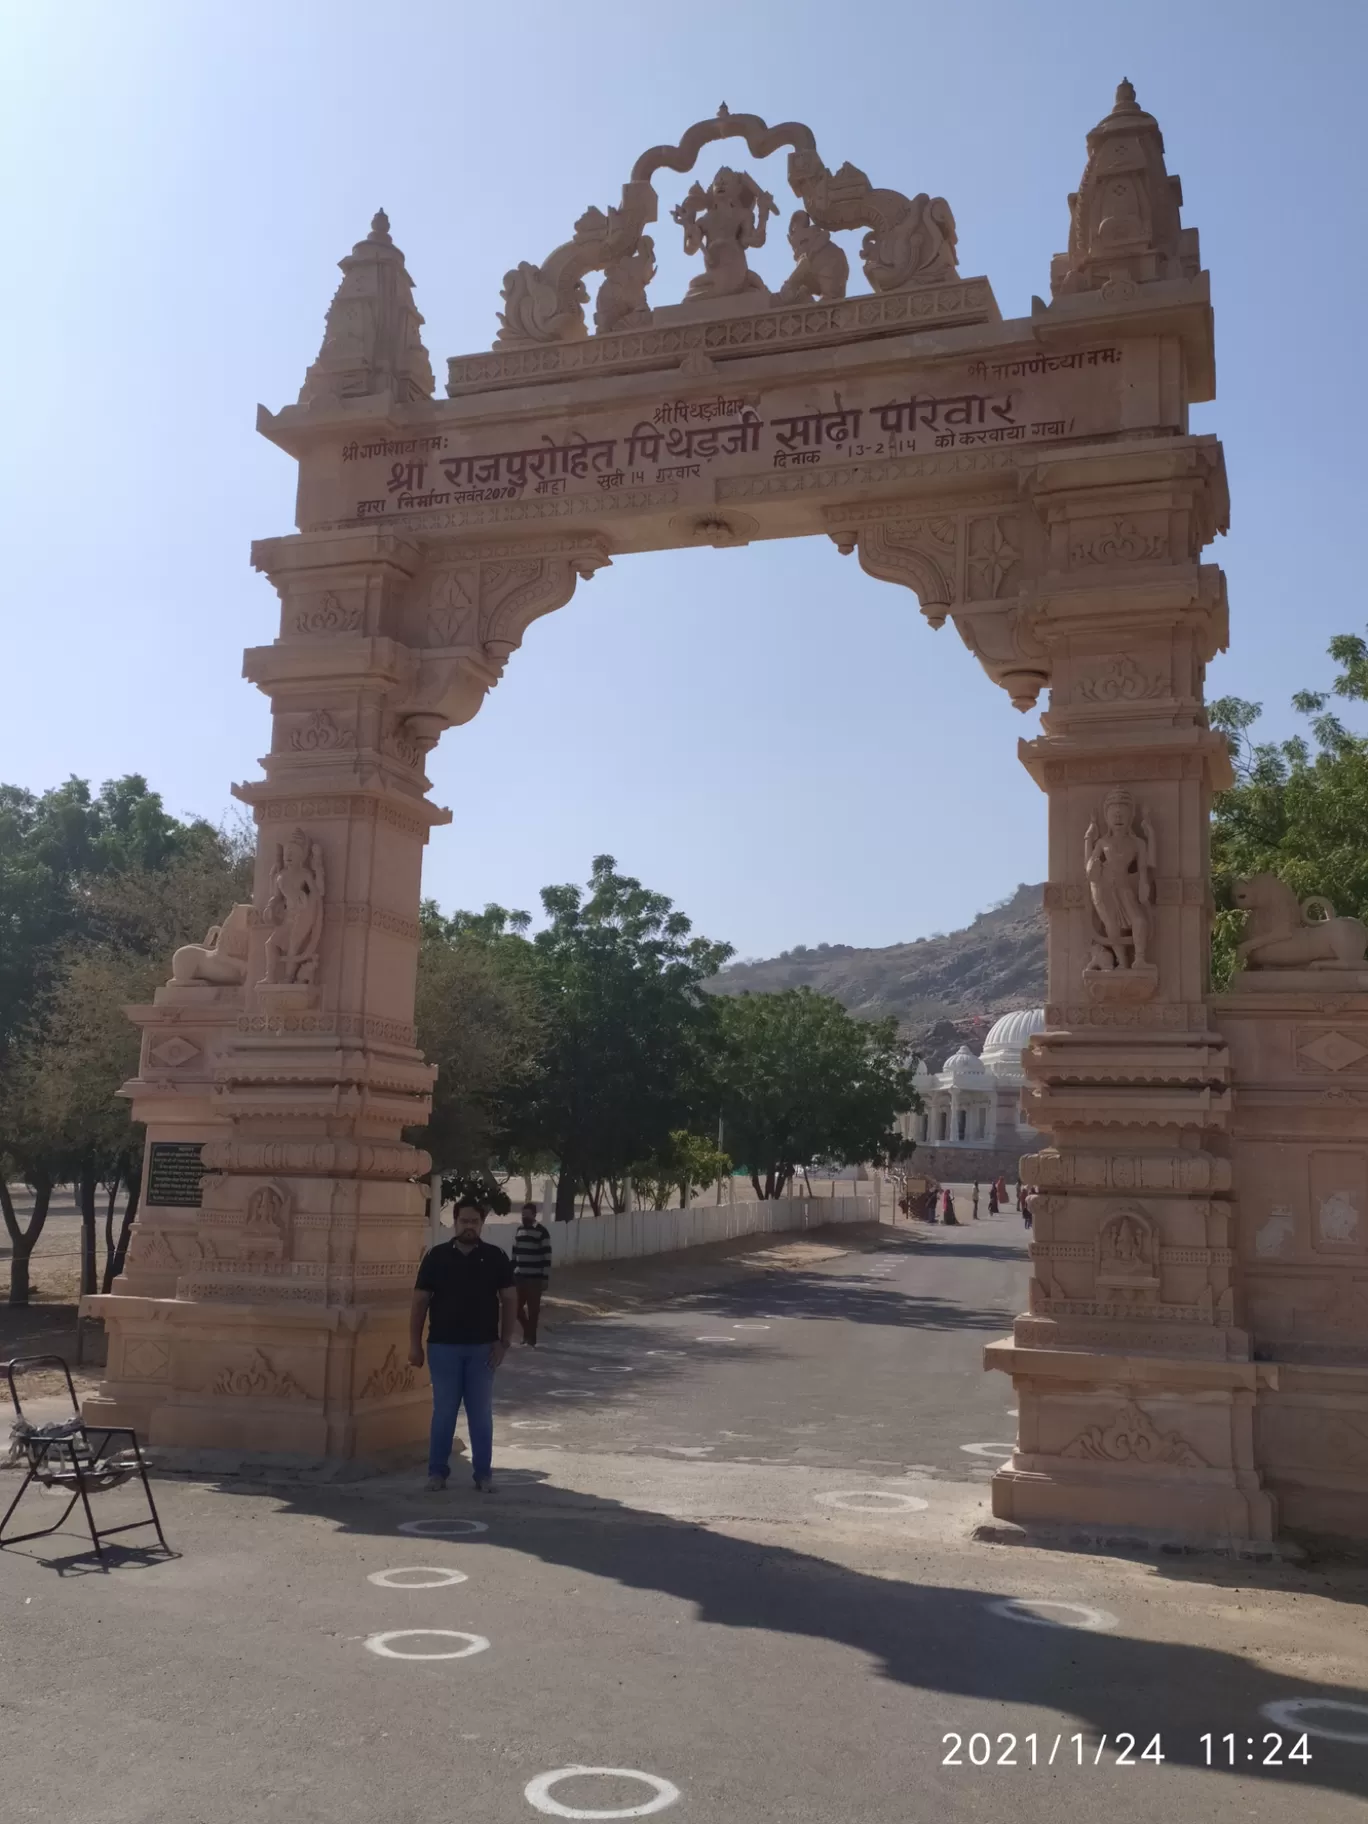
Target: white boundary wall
(639, 1232)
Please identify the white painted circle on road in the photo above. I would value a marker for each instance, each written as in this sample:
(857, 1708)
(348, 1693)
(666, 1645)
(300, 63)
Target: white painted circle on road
(434, 1577)
(538, 1792)
(381, 1643)
(989, 1450)
(612, 1368)
(749, 1326)
(442, 1529)
(1065, 1615)
(536, 1425)
(714, 1339)
(858, 1501)
(1291, 1713)
(572, 1393)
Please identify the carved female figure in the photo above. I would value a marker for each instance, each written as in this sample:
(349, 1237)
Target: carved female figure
(724, 220)
(1119, 859)
(295, 911)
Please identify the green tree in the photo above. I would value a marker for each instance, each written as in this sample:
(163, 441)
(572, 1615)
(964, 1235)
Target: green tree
(688, 1163)
(801, 1081)
(626, 1034)
(478, 1015)
(54, 848)
(96, 891)
(1298, 808)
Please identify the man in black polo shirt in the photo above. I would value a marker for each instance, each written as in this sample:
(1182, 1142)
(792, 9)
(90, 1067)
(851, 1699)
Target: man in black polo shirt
(465, 1291)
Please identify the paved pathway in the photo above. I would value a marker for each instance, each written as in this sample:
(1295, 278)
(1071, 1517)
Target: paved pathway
(735, 1559)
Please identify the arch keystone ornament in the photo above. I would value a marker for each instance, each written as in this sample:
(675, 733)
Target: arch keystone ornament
(1034, 483)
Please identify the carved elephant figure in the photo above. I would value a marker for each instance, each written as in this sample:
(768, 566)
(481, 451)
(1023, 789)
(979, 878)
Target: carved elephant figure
(1281, 933)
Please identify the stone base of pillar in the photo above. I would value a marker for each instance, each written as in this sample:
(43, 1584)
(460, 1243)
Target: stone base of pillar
(327, 1382)
(1140, 1445)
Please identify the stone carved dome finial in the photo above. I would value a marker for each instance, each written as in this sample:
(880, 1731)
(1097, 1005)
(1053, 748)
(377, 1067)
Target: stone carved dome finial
(1125, 218)
(372, 341)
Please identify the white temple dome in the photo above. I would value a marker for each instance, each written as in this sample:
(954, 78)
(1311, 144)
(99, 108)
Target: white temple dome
(1008, 1038)
(963, 1068)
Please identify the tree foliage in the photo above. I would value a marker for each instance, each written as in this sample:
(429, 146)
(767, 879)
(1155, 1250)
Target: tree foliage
(96, 891)
(800, 1081)
(627, 1025)
(479, 1020)
(1298, 808)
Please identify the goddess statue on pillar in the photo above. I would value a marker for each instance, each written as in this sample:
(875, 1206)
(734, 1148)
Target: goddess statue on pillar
(1120, 864)
(725, 220)
(295, 911)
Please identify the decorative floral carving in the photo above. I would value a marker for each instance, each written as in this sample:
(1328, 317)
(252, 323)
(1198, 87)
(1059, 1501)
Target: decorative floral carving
(1122, 543)
(1133, 1437)
(990, 558)
(452, 606)
(295, 910)
(320, 733)
(1120, 681)
(391, 1377)
(329, 616)
(260, 1378)
(394, 741)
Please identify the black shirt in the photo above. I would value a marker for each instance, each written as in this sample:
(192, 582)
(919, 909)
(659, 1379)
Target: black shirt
(465, 1290)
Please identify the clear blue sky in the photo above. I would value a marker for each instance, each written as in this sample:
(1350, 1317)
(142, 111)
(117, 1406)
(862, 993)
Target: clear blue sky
(772, 738)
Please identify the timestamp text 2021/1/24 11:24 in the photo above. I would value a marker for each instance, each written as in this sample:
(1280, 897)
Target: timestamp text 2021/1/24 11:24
(1271, 1749)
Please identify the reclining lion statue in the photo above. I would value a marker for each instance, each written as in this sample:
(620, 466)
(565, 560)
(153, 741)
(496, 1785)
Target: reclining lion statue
(221, 960)
(1282, 934)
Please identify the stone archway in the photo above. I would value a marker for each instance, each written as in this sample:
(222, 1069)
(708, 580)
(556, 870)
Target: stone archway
(1033, 481)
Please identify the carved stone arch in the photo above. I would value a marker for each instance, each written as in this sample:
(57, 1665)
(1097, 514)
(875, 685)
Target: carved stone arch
(919, 554)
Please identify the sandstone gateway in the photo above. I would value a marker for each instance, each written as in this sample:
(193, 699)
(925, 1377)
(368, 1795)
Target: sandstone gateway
(1195, 1353)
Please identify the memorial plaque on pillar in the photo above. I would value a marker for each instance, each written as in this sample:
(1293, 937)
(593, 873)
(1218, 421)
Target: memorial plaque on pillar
(174, 1171)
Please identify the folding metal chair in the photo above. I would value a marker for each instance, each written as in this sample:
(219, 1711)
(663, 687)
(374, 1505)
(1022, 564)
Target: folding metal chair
(64, 1455)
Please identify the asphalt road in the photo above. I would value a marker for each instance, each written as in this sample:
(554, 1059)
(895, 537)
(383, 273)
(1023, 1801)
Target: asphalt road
(732, 1550)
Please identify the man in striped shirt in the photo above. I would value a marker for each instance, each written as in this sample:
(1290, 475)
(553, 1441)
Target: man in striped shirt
(531, 1269)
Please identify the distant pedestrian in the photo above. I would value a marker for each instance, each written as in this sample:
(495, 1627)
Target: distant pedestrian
(1020, 1197)
(464, 1292)
(993, 1198)
(976, 1200)
(1027, 1213)
(948, 1216)
(531, 1270)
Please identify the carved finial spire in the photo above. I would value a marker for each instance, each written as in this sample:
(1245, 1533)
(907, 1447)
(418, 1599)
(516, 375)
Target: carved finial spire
(1125, 222)
(371, 341)
(724, 112)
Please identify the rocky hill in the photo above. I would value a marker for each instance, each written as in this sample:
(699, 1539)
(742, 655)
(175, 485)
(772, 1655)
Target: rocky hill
(943, 989)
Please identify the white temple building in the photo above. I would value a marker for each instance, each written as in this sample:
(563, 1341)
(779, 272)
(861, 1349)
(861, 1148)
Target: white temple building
(977, 1102)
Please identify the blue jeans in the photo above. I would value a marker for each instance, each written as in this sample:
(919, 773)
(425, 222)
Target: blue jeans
(461, 1371)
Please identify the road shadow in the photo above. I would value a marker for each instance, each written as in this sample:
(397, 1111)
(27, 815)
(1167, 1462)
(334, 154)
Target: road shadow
(932, 1638)
(844, 1299)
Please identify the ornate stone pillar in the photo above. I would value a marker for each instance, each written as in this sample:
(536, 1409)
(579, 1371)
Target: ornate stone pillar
(268, 1307)
(1133, 1367)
